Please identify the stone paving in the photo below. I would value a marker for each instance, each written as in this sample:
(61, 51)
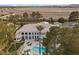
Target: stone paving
(27, 47)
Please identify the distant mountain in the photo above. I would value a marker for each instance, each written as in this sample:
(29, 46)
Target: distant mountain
(74, 5)
(66, 6)
(48, 6)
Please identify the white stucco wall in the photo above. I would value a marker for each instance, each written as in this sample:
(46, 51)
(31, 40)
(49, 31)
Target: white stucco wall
(32, 28)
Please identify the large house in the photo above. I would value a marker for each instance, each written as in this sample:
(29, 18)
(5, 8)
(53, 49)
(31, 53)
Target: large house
(30, 31)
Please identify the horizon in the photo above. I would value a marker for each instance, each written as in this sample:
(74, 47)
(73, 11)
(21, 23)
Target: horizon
(37, 4)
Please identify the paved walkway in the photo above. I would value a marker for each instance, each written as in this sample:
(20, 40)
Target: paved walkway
(27, 47)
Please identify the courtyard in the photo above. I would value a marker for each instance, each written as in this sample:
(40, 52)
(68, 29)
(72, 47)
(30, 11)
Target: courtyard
(31, 47)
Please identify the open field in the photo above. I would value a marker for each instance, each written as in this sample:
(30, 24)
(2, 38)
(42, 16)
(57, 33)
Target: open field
(46, 12)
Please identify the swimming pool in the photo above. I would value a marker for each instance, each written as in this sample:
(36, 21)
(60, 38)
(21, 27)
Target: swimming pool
(36, 49)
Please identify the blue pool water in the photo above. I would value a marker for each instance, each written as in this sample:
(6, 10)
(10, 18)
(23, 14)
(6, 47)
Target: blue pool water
(36, 49)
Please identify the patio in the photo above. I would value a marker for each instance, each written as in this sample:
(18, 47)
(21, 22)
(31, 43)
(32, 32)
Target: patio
(27, 47)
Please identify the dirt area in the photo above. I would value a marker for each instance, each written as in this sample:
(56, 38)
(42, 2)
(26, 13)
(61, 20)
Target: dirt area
(46, 12)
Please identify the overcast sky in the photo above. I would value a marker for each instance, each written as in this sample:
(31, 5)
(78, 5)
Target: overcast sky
(38, 2)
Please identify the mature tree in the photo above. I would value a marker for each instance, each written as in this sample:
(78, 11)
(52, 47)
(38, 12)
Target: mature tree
(61, 20)
(51, 20)
(74, 16)
(14, 18)
(11, 18)
(7, 32)
(36, 15)
(66, 36)
(52, 40)
(33, 15)
(4, 38)
(70, 40)
(44, 19)
(40, 28)
(25, 15)
(75, 40)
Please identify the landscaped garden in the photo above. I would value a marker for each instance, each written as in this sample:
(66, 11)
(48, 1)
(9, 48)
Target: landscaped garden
(15, 47)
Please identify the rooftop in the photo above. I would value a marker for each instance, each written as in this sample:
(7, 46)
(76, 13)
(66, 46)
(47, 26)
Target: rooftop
(33, 27)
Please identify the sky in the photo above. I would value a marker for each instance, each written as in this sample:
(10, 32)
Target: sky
(38, 2)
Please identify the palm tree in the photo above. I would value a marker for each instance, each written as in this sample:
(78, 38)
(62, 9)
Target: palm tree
(40, 29)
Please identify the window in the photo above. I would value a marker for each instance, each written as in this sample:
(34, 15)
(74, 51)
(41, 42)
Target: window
(29, 37)
(37, 37)
(22, 33)
(26, 37)
(32, 33)
(22, 37)
(35, 33)
(32, 37)
(29, 33)
(25, 33)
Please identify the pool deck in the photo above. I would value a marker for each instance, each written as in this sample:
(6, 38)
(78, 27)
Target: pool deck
(27, 48)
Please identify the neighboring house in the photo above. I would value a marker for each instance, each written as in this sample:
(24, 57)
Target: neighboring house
(30, 31)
